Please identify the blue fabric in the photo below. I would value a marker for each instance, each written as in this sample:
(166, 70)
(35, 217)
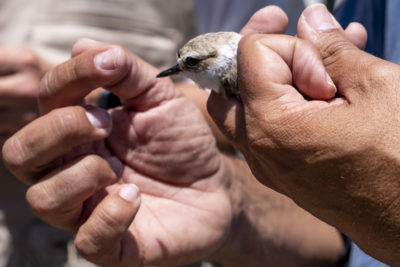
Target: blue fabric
(381, 19)
(392, 38)
(359, 259)
(371, 14)
(232, 15)
(225, 15)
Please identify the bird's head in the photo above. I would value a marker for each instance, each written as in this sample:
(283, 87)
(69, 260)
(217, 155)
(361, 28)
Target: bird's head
(206, 58)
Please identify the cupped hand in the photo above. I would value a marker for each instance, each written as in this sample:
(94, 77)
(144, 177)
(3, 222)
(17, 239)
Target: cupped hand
(84, 166)
(337, 157)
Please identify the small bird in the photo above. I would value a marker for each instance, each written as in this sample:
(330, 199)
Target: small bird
(210, 61)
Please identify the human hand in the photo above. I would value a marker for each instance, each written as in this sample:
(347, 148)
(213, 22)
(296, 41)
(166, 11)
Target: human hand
(339, 159)
(82, 164)
(286, 234)
(20, 74)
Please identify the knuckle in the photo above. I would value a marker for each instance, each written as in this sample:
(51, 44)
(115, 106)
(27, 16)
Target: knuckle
(91, 243)
(96, 167)
(110, 216)
(87, 247)
(45, 86)
(55, 79)
(333, 49)
(13, 152)
(64, 123)
(251, 47)
(74, 72)
(249, 42)
(41, 200)
(68, 123)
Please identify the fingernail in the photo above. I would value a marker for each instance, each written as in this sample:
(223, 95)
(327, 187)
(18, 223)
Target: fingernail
(107, 60)
(115, 165)
(319, 18)
(98, 117)
(330, 82)
(129, 192)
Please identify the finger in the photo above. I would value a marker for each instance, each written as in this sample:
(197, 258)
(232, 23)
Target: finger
(269, 66)
(130, 78)
(59, 196)
(140, 89)
(68, 83)
(13, 59)
(140, 81)
(29, 152)
(357, 34)
(100, 239)
(282, 60)
(270, 19)
(341, 58)
(85, 44)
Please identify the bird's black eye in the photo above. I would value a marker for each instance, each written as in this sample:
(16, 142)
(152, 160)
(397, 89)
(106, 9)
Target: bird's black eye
(191, 61)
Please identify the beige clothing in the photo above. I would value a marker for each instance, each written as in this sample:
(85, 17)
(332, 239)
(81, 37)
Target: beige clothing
(153, 29)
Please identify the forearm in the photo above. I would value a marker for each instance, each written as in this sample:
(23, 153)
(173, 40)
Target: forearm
(271, 229)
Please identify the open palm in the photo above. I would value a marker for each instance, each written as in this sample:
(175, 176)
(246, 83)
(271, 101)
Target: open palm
(158, 141)
(184, 207)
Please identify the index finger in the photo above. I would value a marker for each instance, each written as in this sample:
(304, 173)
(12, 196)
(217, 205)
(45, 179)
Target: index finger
(68, 83)
(272, 67)
(109, 66)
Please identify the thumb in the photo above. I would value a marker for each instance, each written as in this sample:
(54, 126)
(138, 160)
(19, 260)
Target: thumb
(342, 59)
(103, 238)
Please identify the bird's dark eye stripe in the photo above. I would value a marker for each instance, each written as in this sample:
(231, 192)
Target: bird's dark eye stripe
(191, 61)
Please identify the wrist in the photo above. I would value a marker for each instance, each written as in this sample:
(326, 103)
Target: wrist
(227, 255)
(246, 244)
(269, 228)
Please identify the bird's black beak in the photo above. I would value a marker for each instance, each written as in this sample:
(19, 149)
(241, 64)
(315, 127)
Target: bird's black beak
(171, 71)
